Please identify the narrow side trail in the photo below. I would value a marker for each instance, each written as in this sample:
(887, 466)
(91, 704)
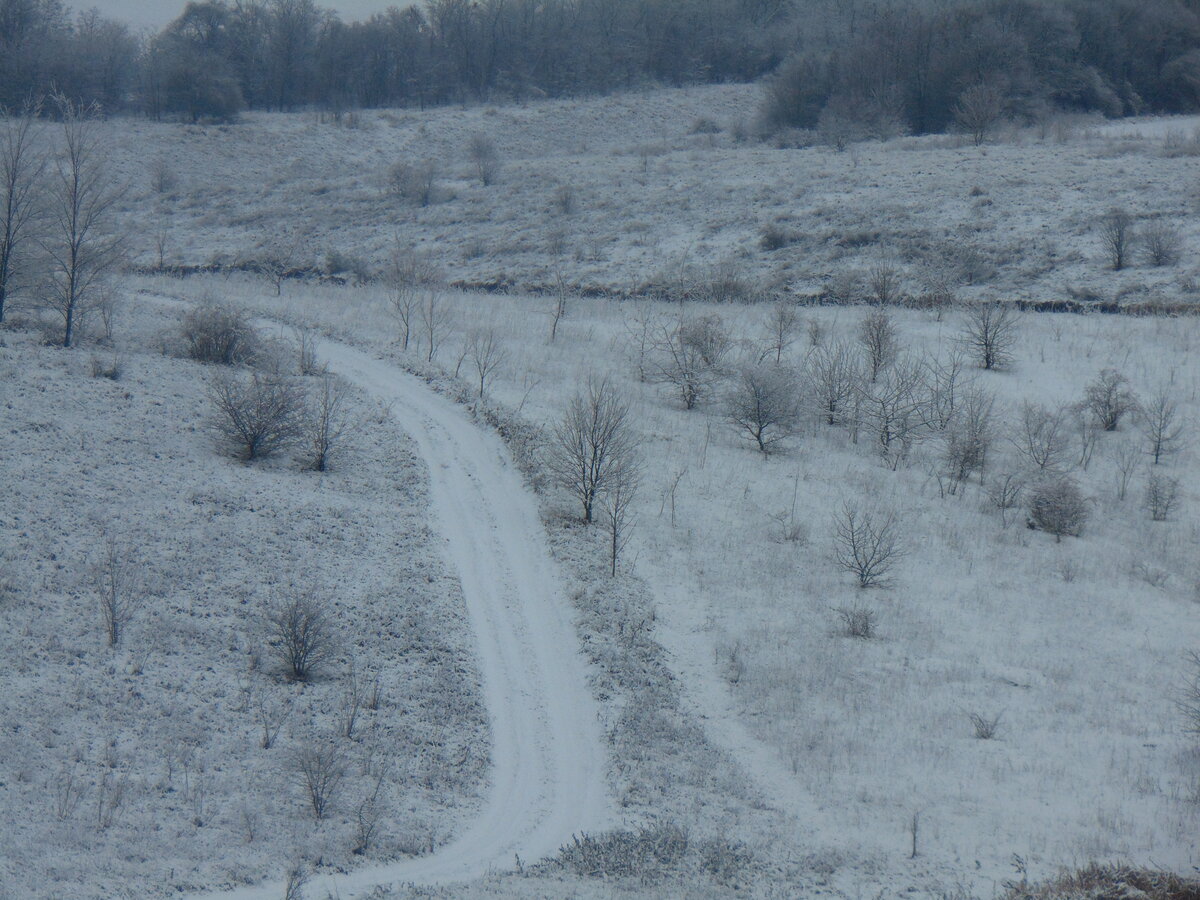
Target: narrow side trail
(547, 777)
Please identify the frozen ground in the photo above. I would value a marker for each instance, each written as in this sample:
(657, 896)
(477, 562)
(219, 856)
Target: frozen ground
(655, 188)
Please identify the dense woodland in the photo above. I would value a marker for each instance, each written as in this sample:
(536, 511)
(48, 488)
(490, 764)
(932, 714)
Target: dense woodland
(900, 66)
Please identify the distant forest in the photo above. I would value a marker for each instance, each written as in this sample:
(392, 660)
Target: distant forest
(890, 66)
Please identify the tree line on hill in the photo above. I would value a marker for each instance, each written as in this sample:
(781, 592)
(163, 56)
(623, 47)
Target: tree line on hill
(885, 66)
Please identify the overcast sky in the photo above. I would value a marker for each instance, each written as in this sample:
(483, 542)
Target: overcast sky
(157, 13)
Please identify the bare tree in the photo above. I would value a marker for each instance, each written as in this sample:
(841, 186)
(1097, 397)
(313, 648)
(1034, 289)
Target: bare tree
(403, 303)
(783, 324)
(320, 770)
(559, 311)
(833, 378)
(326, 421)
(487, 354)
(414, 183)
(1058, 507)
(1161, 425)
(406, 274)
(617, 504)
(594, 445)
(1109, 398)
(879, 340)
(271, 716)
(367, 816)
(81, 244)
(260, 417)
(690, 356)
(1162, 496)
(978, 109)
(763, 404)
(944, 388)
(968, 437)
(21, 168)
(990, 334)
(893, 408)
(867, 543)
(436, 319)
(280, 260)
(485, 157)
(1116, 233)
(1005, 494)
(301, 634)
(295, 881)
(119, 588)
(1127, 457)
(309, 361)
(885, 282)
(1188, 700)
(1042, 436)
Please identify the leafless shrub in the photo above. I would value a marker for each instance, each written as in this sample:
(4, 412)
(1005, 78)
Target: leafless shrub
(308, 363)
(985, 728)
(978, 109)
(1005, 494)
(1161, 497)
(565, 200)
(893, 408)
(763, 404)
(1151, 575)
(352, 702)
(67, 793)
(218, 334)
(120, 589)
(782, 326)
(320, 769)
(616, 503)
(1098, 880)
(1162, 427)
(326, 422)
(880, 341)
(485, 158)
(1042, 436)
(885, 282)
(724, 860)
(1109, 398)
(594, 446)
(270, 715)
(1162, 243)
(968, 435)
(111, 367)
(295, 881)
(259, 416)
(990, 334)
(857, 621)
(1116, 234)
(1058, 507)
(868, 544)
(367, 816)
(436, 321)
(414, 183)
(300, 634)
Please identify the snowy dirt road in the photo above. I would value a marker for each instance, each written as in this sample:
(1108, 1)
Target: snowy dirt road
(547, 776)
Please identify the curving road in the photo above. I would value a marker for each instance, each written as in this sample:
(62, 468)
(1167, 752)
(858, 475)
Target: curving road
(547, 778)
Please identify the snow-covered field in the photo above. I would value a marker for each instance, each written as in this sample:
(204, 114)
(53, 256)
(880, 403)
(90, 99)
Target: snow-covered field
(654, 188)
(732, 702)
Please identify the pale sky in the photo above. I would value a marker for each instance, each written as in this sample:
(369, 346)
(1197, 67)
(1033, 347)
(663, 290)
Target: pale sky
(157, 13)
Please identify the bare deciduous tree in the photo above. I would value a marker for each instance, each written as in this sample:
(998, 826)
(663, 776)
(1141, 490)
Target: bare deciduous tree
(892, 407)
(879, 340)
(1127, 458)
(885, 282)
(260, 416)
(436, 320)
(1042, 436)
(1116, 233)
(326, 421)
(367, 816)
(1109, 398)
(833, 377)
(1161, 243)
(1005, 494)
(485, 158)
(487, 353)
(868, 544)
(968, 437)
(690, 356)
(81, 244)
(594, 446)
(978, 109)
(320, 770)
(1162, 496)
(617, 504)
(783, 324)
(308, 362)
(763, 404)
(21, 167)
(300, 634)
(990, 334)
(119, 588)
(1161, 424)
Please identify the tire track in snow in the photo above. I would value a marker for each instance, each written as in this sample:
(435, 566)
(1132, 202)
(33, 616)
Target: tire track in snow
(547, 776)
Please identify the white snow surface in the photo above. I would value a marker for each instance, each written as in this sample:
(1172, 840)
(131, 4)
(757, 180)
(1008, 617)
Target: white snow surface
(547, 756)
